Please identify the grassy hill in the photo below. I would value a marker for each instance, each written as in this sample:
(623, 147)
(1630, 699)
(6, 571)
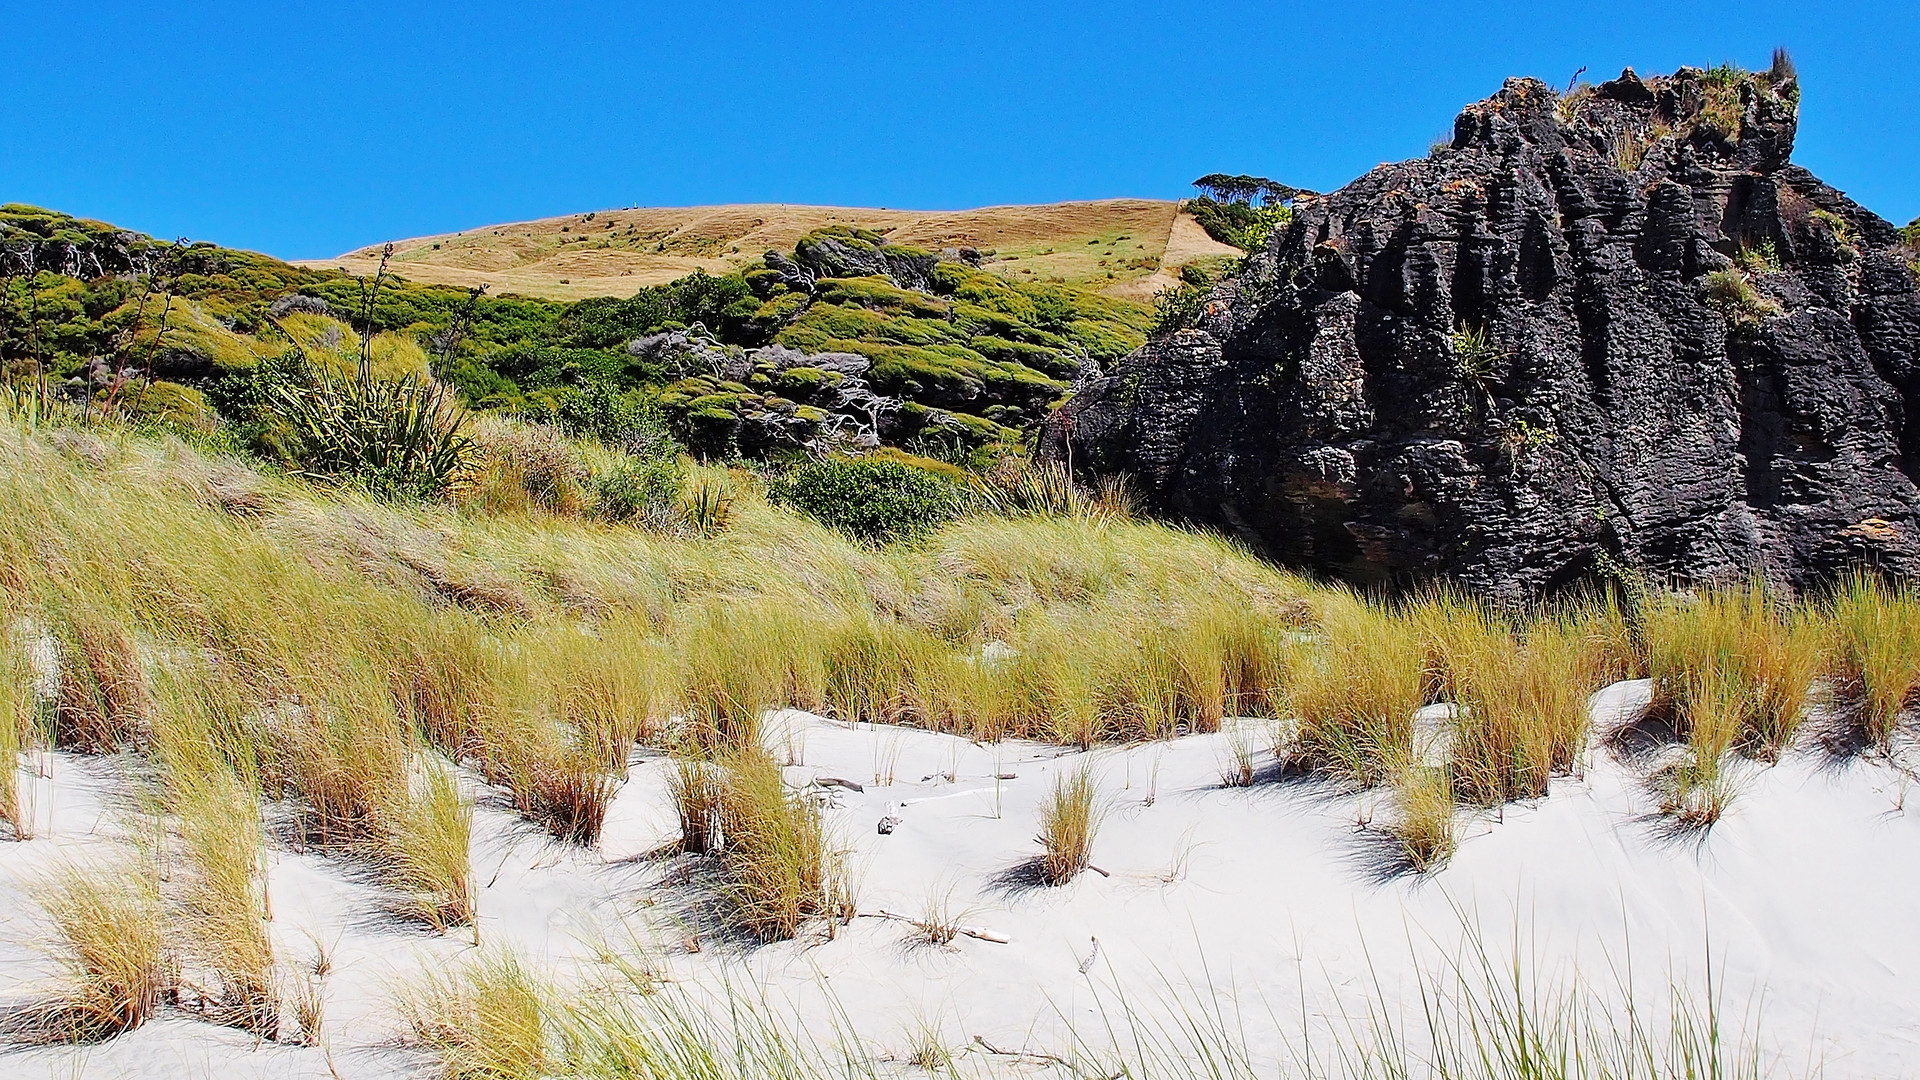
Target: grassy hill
(1123, 247)
(949, 346)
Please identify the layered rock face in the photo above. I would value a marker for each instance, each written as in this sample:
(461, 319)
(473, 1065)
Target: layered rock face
(1615, 327)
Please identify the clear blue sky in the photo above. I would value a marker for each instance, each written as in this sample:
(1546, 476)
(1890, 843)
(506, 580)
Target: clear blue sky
(306, 130)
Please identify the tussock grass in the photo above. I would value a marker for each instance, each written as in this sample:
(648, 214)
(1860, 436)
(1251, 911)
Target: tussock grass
(485, 1020)
(780, 866)
(210, 798)
(424, 848)
(1875, 652)
(18, 722)
(109, 922)
(1069, 819)
(1755, 657)
(639, 1032)
(539, 647)
(104, 700)
(1423, 798)
(1520, 691)
(742, 659)
(1355, 699)
(782, 869)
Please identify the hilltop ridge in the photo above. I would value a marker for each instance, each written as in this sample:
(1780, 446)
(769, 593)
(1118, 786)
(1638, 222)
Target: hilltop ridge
(1129, 248)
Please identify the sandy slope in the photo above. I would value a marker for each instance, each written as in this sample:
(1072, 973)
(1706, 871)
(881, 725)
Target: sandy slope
(1810, 889)
(1111, 244)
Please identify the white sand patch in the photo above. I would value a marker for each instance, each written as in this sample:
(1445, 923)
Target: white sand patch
(1283, 894)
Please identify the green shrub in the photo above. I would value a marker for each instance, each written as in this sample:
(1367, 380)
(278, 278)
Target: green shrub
(632, 421)
(1241, 224)
(1177, 307)
(868, 499)
(647, 491)
(249, 401)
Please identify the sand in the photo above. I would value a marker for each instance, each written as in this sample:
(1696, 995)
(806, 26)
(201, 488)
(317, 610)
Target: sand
(1282, 896)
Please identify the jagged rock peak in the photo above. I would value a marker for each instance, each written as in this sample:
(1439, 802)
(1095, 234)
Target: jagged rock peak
(1611, 327)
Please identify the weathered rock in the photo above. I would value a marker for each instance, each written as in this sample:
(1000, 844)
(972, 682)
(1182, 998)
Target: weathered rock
(293, 303)
(1508, 363)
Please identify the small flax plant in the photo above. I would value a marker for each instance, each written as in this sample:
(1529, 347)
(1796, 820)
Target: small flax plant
(1069, 819)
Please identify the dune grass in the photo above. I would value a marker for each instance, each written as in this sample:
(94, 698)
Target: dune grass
(1069, 820)
(212, 803)
(782, 869)
(108, 920)
(18, 727)
(1475, 1013)
(538, 648)
(485, 1020)
(1424, 803)
(1875, 654)
(423, 848)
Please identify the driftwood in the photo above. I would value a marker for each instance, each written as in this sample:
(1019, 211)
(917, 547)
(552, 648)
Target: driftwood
(965, 931)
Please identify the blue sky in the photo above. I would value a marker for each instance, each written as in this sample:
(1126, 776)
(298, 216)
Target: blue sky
(306, 130)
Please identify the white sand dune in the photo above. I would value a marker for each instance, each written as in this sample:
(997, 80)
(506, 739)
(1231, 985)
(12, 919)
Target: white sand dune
(1282, 896)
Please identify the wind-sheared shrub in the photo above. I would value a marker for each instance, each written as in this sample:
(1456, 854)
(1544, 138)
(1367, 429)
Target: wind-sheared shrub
(875, 500)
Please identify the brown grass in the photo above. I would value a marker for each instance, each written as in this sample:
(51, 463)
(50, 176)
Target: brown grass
(654, 245)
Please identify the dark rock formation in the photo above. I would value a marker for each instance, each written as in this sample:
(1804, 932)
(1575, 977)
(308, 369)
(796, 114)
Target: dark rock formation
(1615, 326)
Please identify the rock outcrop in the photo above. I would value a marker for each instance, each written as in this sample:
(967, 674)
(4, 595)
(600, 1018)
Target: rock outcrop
(1612, 327)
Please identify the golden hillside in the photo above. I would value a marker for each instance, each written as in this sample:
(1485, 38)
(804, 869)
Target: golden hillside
(1126, 247)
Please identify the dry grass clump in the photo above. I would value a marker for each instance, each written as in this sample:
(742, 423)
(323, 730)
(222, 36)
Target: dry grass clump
(1875, 654)
(485, 1020)
(104, 703)
(424, 845)
(781, 867)
(1356, 695)
(1068, 821)
(108, 919)
(1423, 797)
(520, 467)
